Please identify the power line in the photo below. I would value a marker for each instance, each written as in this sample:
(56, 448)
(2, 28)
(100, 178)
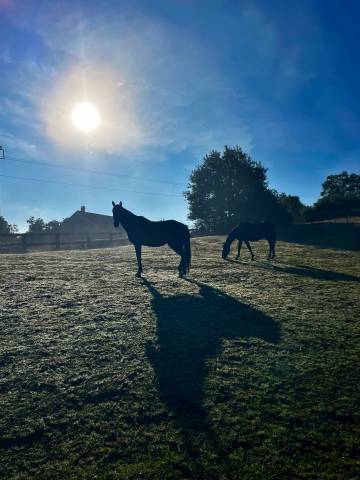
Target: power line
(41, 180)
(95, 172)
(100, 172)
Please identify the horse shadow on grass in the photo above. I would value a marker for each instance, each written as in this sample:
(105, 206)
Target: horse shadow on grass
(305, 271)
(190, 330)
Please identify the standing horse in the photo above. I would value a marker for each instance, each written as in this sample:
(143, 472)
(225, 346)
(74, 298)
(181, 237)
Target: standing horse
(142, 231)
(245, 232)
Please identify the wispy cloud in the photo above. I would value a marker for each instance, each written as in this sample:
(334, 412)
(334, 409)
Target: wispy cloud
(154, 102)
(15, 144)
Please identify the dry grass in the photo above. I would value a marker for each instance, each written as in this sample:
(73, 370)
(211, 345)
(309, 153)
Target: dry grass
(247, 370)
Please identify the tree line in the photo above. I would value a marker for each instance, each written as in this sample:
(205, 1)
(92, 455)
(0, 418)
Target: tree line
(35, 225)
(230, 186)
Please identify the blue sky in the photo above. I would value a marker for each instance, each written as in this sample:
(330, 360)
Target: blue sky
(172, 80)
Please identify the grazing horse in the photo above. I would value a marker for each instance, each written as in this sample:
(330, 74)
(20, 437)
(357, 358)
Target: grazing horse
(245, 232)
(142, 231)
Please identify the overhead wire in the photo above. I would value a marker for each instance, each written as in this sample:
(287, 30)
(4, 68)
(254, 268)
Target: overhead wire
(43, 180)
(96, 172)
(91, 171)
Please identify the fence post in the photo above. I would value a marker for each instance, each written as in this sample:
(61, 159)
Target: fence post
(24, 240)
(57, 241)
(88, 241)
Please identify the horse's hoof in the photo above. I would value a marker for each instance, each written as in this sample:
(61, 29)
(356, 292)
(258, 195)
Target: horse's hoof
(138, 275)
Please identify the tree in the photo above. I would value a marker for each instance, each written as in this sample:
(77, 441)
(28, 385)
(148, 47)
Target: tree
(36, 225)
(6, 227)
(340, 187)
(340, 196)
(293, 205)
(53, 226)
(228, 188)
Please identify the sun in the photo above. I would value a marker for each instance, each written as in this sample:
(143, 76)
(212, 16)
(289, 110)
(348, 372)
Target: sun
(85, 117)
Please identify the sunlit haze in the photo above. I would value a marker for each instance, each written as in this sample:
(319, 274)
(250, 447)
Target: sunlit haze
(85, 117)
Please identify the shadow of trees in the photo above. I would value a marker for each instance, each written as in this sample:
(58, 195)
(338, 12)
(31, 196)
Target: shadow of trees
(304, 271)
(190, 330)
(316, 273)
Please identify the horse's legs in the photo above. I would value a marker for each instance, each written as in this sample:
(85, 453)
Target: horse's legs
(138, 258)
(249, 248)
(273, 248)
(239, 248)
(178, 248)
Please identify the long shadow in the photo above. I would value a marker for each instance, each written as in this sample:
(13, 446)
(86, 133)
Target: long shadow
(190, 330)
(304, 271)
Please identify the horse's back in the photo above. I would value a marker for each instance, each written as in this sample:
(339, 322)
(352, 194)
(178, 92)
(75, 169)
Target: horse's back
(175, 225)
(256, 231)
(157, 233)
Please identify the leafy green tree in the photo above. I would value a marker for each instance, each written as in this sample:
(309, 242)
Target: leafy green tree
(6, 227)
(228, 188)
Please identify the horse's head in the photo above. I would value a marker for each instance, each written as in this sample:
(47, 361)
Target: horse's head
(225, 250)
(117, 213)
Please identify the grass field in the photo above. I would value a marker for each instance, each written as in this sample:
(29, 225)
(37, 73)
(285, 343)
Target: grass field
(244, 371)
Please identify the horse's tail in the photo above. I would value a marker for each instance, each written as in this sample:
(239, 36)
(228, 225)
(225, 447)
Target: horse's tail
(187, 249)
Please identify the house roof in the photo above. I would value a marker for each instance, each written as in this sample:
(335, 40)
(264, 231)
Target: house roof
(82, 221)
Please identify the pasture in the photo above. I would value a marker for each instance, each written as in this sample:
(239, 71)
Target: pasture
(246, 370)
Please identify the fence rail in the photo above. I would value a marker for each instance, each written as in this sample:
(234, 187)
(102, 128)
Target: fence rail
(24, 242)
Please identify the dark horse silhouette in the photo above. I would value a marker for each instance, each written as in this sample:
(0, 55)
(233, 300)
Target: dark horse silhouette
(142, 231)
(245, 232)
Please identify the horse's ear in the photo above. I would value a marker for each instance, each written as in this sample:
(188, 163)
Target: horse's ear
(120, 204)
(113, 203)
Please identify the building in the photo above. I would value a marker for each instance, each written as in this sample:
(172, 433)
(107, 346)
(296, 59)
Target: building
(86, 222)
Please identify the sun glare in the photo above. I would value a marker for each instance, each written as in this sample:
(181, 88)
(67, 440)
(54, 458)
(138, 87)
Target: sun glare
(85, 117)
